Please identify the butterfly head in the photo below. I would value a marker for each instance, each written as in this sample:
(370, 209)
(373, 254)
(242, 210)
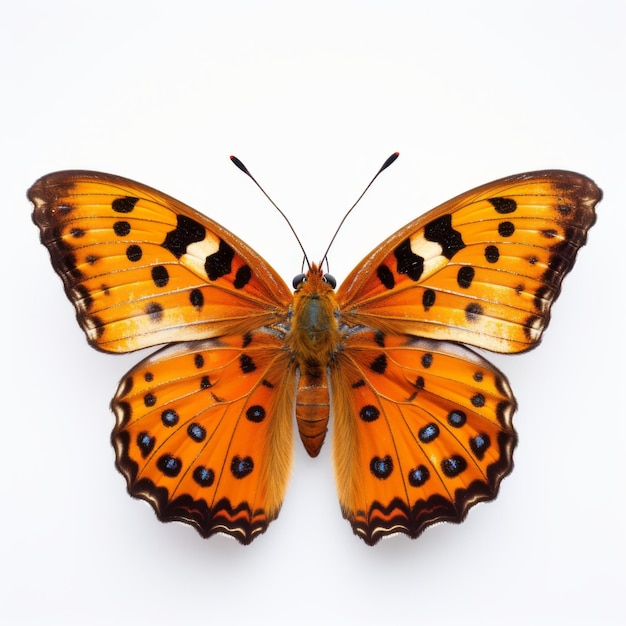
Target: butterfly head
(314, 280)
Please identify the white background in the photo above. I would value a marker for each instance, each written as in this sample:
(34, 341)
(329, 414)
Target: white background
(313, 96)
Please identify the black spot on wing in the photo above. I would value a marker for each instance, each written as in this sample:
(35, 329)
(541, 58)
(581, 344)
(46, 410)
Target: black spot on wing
(187, 231)
(196, 298)
(219, 263)
(246, 364)
(369, 413)
(169, 465)
(479, 445)
(155, 311)
(169, 417)
(124, 205)
(134, 253)
(453, 465)
(379, 364)
(255, 413)
(457, 418)
(385, 276)
(428, 433)
(440, 231)
(241, 467)
(203, 476)
(196, 432)
(160, 275)
(473, 311)
(492, 254)
(121, 228)
(503, 205)
(418, 476)
(381, 467)
(243, 276)
(145, 443)
(428, 299)
(465, 276)
(408, 262)
(506, 229)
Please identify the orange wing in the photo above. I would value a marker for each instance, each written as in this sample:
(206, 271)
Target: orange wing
(204, 432)
(143, 269)
(482, 269)
(423, 426)
(423, 431)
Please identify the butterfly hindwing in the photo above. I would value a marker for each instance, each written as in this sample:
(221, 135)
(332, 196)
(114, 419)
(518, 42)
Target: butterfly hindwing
(429, 433)
(204, 432)
(143, 269)
(482, 269)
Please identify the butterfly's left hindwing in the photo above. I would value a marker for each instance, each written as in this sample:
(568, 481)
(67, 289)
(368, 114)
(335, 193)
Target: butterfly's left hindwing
(143, 269)
(204, 432)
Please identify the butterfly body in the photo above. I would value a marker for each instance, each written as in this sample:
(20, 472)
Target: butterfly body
(314, 340)
(422, 424)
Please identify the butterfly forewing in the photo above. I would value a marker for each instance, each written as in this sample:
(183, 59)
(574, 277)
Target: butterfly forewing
(143, 269)
(482, 269)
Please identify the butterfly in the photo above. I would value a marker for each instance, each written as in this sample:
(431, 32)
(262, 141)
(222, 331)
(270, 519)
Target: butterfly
(422, 423)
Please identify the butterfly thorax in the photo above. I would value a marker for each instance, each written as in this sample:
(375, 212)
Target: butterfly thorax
(313, 340)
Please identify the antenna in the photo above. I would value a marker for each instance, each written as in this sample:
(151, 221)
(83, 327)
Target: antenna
(244, 169)
(384, 166)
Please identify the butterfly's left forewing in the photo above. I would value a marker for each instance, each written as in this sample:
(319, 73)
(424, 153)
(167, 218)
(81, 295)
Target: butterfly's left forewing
(143, 269)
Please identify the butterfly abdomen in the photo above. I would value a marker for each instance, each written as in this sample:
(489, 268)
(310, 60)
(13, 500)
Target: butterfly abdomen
(312, 408)
(313, 340)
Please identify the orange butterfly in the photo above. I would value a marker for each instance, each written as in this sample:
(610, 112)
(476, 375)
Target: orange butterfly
(422, 425)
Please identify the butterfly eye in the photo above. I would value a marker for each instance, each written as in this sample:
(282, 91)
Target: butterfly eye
(330, 279)
(298, 280)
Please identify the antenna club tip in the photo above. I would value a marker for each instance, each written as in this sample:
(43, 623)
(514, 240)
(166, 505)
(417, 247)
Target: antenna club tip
(239, 164)
(389, 161)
